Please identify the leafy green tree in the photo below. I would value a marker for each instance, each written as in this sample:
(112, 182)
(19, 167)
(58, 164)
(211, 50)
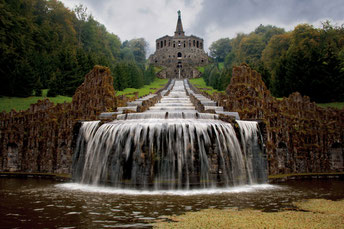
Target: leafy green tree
(81, 14)
(120, 76)
(135, 75)
(220, 48)
(149, 74)
(42, 44)
(126, 54)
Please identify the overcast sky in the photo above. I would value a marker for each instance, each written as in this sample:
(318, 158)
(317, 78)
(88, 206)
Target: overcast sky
(208, 19)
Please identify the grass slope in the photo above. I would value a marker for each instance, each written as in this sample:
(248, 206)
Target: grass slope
(201, 68)
(339, 105)
(145, 90)
(21, 104)
(200, 84)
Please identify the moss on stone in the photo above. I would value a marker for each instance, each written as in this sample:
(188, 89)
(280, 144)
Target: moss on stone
(311, 214)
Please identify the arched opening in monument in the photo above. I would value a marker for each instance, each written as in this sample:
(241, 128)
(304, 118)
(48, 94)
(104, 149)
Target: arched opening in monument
(197, 44)
(179, 65)
(161, 44)
(194, 43)
(179, 55)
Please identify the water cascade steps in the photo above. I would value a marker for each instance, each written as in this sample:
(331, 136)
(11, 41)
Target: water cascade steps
(170, 146)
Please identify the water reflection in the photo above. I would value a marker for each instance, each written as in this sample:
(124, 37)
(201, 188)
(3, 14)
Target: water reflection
(44, 203)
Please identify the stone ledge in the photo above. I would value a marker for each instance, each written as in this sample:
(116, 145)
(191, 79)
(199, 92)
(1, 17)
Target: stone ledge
(54, 176)
(280, 178)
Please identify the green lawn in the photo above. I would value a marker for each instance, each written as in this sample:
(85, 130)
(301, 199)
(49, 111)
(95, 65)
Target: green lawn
(145, 90)
(201, 69)
(339, 105)
(20, 104)
(200, 84)
(157, 69)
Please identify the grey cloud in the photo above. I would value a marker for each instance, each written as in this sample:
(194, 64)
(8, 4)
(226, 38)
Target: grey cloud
(145, 11)
(212, 20)
(229, 13)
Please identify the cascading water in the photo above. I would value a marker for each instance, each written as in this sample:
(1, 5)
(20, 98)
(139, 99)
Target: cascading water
(170, 146)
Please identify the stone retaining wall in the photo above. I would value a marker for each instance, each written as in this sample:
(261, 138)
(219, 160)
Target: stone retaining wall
(40, 138)
(301, 137)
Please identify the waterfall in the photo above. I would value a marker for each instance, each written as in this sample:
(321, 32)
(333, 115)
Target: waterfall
(252, 146)
(174, 149)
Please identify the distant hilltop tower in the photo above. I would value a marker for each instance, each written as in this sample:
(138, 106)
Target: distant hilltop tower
(179, 55)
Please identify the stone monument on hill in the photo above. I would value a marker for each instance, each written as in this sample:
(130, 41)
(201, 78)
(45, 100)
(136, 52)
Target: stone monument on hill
(179, 55)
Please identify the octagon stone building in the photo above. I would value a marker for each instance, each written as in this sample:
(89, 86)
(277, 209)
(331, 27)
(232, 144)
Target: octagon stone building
(179, 54)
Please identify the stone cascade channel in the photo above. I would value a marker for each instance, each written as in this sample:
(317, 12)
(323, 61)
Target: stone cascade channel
(174, 104)
(208, 103)
(170, 146)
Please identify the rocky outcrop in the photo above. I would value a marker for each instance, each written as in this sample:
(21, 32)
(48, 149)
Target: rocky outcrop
(40, 138)
(96, 94)
(300, 136)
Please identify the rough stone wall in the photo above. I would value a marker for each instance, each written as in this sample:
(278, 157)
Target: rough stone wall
(301, 137)
(40, 138)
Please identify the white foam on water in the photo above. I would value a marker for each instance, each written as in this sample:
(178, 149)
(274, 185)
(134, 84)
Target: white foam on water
(210, 191)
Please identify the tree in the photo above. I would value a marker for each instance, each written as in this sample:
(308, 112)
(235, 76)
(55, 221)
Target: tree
(81, 14)
(126, 54)
(149, 74)
(220, 48)
(139, 47)
(43, 44)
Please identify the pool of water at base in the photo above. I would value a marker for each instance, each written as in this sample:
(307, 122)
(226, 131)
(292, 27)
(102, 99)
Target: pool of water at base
(39, 203)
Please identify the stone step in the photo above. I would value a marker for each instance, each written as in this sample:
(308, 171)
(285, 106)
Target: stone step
(173, 108)
(172, 104)
(135, 103)
(130, 108)
(208, 103)
(215, 108)
(109, 114)
(233, 114)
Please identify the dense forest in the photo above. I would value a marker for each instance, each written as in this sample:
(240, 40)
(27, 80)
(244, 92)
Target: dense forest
(308, 60)
(46, 45)
(43, 44)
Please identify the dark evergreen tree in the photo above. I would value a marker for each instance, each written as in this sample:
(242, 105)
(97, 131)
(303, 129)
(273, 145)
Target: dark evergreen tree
(149, 75)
